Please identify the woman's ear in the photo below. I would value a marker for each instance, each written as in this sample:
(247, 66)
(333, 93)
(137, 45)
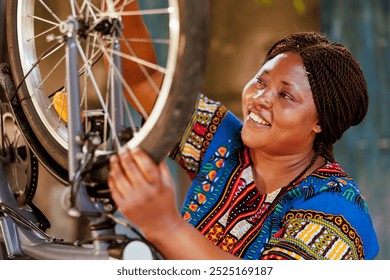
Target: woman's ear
(317, 128)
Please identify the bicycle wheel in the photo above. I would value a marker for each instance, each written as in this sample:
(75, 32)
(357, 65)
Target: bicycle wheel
(178, 33)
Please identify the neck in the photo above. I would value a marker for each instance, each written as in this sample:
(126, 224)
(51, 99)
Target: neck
(273, 172)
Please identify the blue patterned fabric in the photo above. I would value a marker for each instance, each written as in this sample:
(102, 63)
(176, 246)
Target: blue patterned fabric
(323, 216)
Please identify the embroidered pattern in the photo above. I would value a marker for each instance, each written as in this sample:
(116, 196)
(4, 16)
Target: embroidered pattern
(198, 135)
(319, 235)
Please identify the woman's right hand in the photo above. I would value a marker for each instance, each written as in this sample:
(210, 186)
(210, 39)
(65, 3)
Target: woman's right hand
(143, 191)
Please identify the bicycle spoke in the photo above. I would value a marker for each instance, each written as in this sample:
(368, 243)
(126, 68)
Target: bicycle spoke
(139, 61)
(144, 71)
(124, 4)
(60, 111)
(141, 40)
(51, 52)
(128, 89)
(141, 64)
(90, 54)
(161, 11)
(78, 8)
(42, 33)
(55, 24)
(39, 86)
(73, 7)
(114, 72)
(98, 92)
(50, 11)
(89, 10)
(125, 84)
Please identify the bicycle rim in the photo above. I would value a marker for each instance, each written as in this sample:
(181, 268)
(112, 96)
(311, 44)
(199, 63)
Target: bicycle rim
(178, 33)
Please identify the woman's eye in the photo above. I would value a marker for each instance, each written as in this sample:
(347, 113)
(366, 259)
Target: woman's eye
(285, 96)
(260, 81)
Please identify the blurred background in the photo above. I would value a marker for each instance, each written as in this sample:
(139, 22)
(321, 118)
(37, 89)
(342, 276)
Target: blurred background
(241, 32)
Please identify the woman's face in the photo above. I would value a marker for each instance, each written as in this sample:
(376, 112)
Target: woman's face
(280, 116)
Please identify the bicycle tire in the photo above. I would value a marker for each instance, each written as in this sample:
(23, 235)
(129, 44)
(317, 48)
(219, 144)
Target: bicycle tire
(177, 95)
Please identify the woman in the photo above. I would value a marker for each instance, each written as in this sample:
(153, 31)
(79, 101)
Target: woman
(267, 188)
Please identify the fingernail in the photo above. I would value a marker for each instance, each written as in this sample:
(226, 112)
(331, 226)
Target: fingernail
(113, 159)
(124, 153)
(136, 150)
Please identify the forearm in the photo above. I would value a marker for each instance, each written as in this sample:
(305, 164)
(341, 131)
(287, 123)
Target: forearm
(145, 92)
(181, 241)
(143, 81)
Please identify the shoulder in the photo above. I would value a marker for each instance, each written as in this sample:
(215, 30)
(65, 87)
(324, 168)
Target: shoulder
(210, 126)
(327, 208)
(333, 182)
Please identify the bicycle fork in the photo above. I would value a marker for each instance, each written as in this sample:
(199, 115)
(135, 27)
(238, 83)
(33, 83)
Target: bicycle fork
(81, 202)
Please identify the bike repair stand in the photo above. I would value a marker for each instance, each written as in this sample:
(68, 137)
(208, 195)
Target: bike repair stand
(7, 224)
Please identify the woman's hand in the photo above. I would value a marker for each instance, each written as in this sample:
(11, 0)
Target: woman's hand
(143, 191)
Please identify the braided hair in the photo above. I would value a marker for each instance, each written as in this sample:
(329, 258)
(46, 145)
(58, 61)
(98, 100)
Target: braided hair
(336, 80)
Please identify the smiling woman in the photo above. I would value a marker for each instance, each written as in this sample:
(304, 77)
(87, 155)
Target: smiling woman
(282, 118)
(268, 188)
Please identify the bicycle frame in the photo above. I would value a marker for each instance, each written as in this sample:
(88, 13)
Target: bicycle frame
(28, 241)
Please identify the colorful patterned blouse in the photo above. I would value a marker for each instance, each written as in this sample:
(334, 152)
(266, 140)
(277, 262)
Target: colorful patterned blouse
(323, 216)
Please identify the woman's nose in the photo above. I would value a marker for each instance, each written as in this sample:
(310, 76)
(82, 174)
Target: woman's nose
(263, 99)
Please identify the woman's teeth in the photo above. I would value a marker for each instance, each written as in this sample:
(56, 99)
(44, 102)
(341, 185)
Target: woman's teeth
(257, 119)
